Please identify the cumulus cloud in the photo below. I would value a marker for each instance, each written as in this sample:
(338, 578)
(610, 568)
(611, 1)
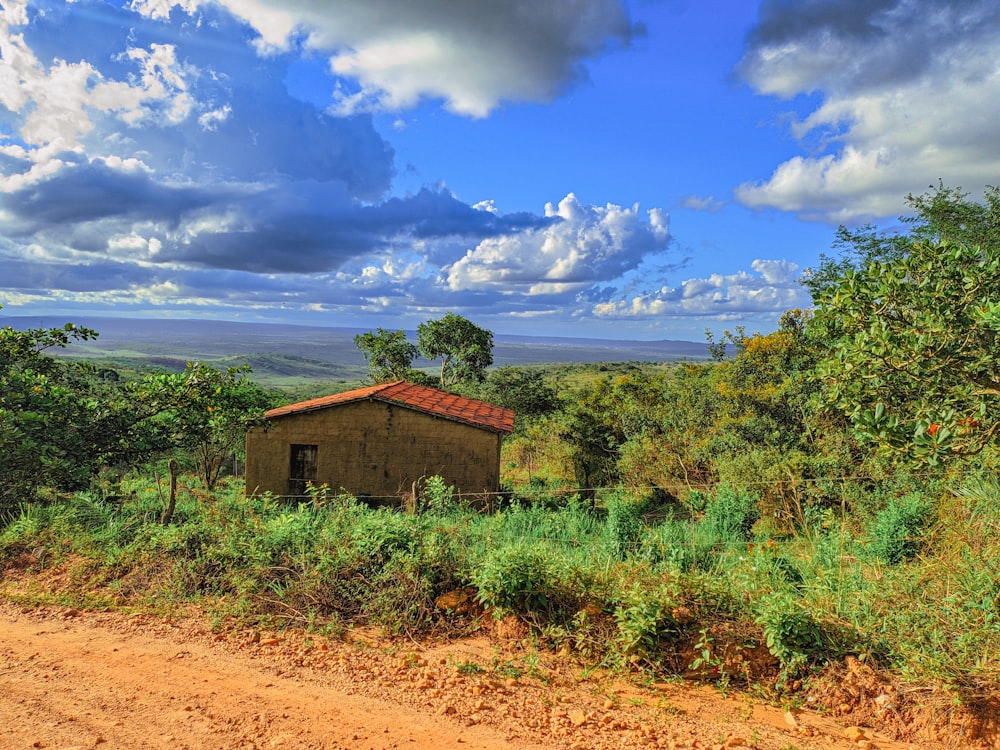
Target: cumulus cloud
(909, 90)
(152, 155)
(770, 287)
(582, 246)
(156, 147)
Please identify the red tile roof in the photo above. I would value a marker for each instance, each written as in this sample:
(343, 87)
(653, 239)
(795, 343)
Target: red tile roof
(419, 397)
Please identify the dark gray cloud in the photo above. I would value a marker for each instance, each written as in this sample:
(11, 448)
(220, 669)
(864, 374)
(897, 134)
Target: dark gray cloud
(471, 55)
(300, 227)
(83, 192)
(853, 45)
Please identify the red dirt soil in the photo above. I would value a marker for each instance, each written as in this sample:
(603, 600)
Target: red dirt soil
(73, 679)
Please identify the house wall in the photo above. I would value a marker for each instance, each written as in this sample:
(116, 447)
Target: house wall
(371, 448)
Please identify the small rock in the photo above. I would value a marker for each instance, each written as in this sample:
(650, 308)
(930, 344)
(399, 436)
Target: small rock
(578, 717)
(884, 700)
(854, 734)
(791, 720)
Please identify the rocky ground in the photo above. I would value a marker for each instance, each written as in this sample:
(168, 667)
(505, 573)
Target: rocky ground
(72, 679)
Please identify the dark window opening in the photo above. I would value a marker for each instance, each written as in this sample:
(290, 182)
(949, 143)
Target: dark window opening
(302, 468)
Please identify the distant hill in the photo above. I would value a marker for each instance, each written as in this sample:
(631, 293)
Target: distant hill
(279, 352)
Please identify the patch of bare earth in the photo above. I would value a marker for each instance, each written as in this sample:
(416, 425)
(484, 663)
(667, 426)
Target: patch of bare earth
(73, 679)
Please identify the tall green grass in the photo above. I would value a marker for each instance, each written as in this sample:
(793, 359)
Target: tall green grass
(913, 587)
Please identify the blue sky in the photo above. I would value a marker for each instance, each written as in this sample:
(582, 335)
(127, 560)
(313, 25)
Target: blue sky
(633, 169)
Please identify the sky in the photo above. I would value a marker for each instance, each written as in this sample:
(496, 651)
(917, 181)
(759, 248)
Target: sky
(630, 169)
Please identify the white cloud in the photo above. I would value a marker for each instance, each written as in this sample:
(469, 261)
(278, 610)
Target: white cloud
(772, 288)
(57, 99)
(473, 56)
(709, 203)
(910, 95)
(777, 271)
(583, 245)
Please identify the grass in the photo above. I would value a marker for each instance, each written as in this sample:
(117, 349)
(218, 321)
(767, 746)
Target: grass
(690, 590)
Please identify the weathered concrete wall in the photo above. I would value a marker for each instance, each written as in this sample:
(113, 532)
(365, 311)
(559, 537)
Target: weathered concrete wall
(371, 448)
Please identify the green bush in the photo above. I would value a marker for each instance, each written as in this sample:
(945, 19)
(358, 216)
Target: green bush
(792, 634)
(438, 497)
(679, 545)
(514, 578)
(379, 534)
(730, 515)
(898, 529)
(645, 617)
(624, 525)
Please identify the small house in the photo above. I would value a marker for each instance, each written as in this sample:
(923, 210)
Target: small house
(376, 442)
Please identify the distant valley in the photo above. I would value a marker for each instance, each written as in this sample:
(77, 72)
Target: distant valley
(291, 354)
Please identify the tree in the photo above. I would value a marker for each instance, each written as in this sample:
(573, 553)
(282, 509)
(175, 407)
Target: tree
(520, 389)
(942, 215)
(60, 421)
(914, 333)
(465, 349)
(204, 411)
(388, 353)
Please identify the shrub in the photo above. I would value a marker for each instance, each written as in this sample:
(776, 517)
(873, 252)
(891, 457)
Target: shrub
(379, 534)
(791, 633)
(514, 578)
(897, 531)
(730, 515)
(624, 525)
(678, 545)
(438, 497)
(645, 617)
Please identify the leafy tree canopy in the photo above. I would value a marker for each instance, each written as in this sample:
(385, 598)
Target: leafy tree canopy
(465, 349)
(204, 411)
(388, 353)
(59, 420)
(913, 329)
(521, 389)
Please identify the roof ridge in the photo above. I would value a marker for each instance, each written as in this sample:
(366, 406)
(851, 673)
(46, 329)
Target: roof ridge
(423, 398)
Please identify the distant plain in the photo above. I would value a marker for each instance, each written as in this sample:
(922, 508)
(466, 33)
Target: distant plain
(285, 356)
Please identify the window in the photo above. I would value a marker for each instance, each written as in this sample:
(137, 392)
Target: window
(302, 468)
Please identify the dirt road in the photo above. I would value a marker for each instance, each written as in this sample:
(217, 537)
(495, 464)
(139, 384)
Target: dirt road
(70, 679)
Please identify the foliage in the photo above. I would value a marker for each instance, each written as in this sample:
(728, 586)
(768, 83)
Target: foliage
(388, 353)
(897, 531)
(438, 496)
(731, 514)
(514, 578)
(717, 350)
(914, 331)
(791, 633)
(204, 411)
(59, 420)
(524, 390)
(624, 526)
(465, 349)
(645, 617)
(932, 617)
